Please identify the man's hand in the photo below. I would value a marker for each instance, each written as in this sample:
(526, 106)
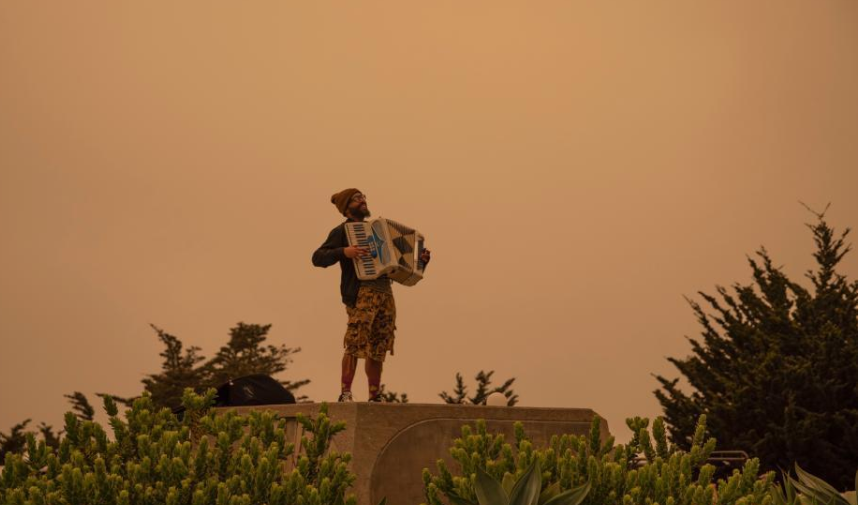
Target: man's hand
(425, 256)
(354, 251)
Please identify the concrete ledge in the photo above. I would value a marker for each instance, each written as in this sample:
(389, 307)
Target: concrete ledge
(391, 443)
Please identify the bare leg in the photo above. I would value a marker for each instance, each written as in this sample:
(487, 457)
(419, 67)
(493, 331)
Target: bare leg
(347, 372)
(374, 375)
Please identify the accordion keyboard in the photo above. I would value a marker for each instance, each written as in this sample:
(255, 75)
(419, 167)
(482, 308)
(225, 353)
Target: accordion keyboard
(359, 234)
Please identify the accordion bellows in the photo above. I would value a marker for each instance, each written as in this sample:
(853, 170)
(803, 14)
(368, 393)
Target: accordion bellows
(395, 250)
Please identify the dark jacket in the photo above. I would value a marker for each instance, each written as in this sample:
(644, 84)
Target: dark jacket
(330, 252)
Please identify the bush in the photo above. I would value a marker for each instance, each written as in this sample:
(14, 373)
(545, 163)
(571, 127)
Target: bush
(668, 476)
(204, 458)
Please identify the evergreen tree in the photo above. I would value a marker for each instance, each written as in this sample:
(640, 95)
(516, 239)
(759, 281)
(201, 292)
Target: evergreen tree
(15, 440)
(484, 381)
(393, 397)
(246, 353)
(81, 406)
(179, 370)
(775, 369)
(47, 431)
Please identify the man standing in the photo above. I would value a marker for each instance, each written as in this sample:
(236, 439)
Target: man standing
(369, 304)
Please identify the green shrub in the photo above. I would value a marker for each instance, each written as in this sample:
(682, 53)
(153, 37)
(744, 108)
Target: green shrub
(668, 477)
(205, 458)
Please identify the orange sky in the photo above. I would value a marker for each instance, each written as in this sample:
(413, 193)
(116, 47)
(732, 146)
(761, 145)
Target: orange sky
(577, 168)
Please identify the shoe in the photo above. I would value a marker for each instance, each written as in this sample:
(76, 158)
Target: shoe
(345, 397)
(377, 399)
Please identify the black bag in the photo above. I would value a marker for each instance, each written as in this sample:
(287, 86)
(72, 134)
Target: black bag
(252, 390)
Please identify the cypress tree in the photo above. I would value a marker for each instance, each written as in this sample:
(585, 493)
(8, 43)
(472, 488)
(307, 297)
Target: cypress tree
(247, 353)
(179, 370)
(81, 406)
(15, 440)
(775, 367)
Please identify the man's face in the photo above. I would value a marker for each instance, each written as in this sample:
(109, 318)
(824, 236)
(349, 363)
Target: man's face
(358, 206)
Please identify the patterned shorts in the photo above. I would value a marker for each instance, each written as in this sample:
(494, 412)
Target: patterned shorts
(372, 321)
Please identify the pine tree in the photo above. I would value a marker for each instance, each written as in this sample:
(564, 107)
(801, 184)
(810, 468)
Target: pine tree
(775, 369)
(179, 370)
(484, 380)
(51, 438)
(81, 406)
(392, 396)
(246, 353)
(15, 440)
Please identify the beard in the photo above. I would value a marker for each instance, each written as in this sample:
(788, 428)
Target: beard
(362, 211)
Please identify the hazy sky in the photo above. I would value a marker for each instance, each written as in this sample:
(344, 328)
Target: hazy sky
(576, 167)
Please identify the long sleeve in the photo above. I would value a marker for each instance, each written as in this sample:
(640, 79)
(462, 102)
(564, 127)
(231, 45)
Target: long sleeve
(331, 251)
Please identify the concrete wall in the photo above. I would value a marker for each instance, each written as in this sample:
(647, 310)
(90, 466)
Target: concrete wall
(391, 443)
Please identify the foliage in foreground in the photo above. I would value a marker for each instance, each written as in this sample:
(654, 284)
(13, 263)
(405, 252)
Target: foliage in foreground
(204, 458)
(809, 490)
(16, 439)
(246, 353)
(525, 491)
(670, 476)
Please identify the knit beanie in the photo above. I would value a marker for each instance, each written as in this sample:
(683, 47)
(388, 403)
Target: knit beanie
(341, 199)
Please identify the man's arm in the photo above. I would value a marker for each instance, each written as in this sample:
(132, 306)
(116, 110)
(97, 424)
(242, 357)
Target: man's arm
(331, 251)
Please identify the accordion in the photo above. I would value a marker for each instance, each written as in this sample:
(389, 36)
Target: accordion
(395, 250)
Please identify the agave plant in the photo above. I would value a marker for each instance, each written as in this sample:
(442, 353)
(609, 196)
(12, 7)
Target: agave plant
(524, 491)
(809, 490)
